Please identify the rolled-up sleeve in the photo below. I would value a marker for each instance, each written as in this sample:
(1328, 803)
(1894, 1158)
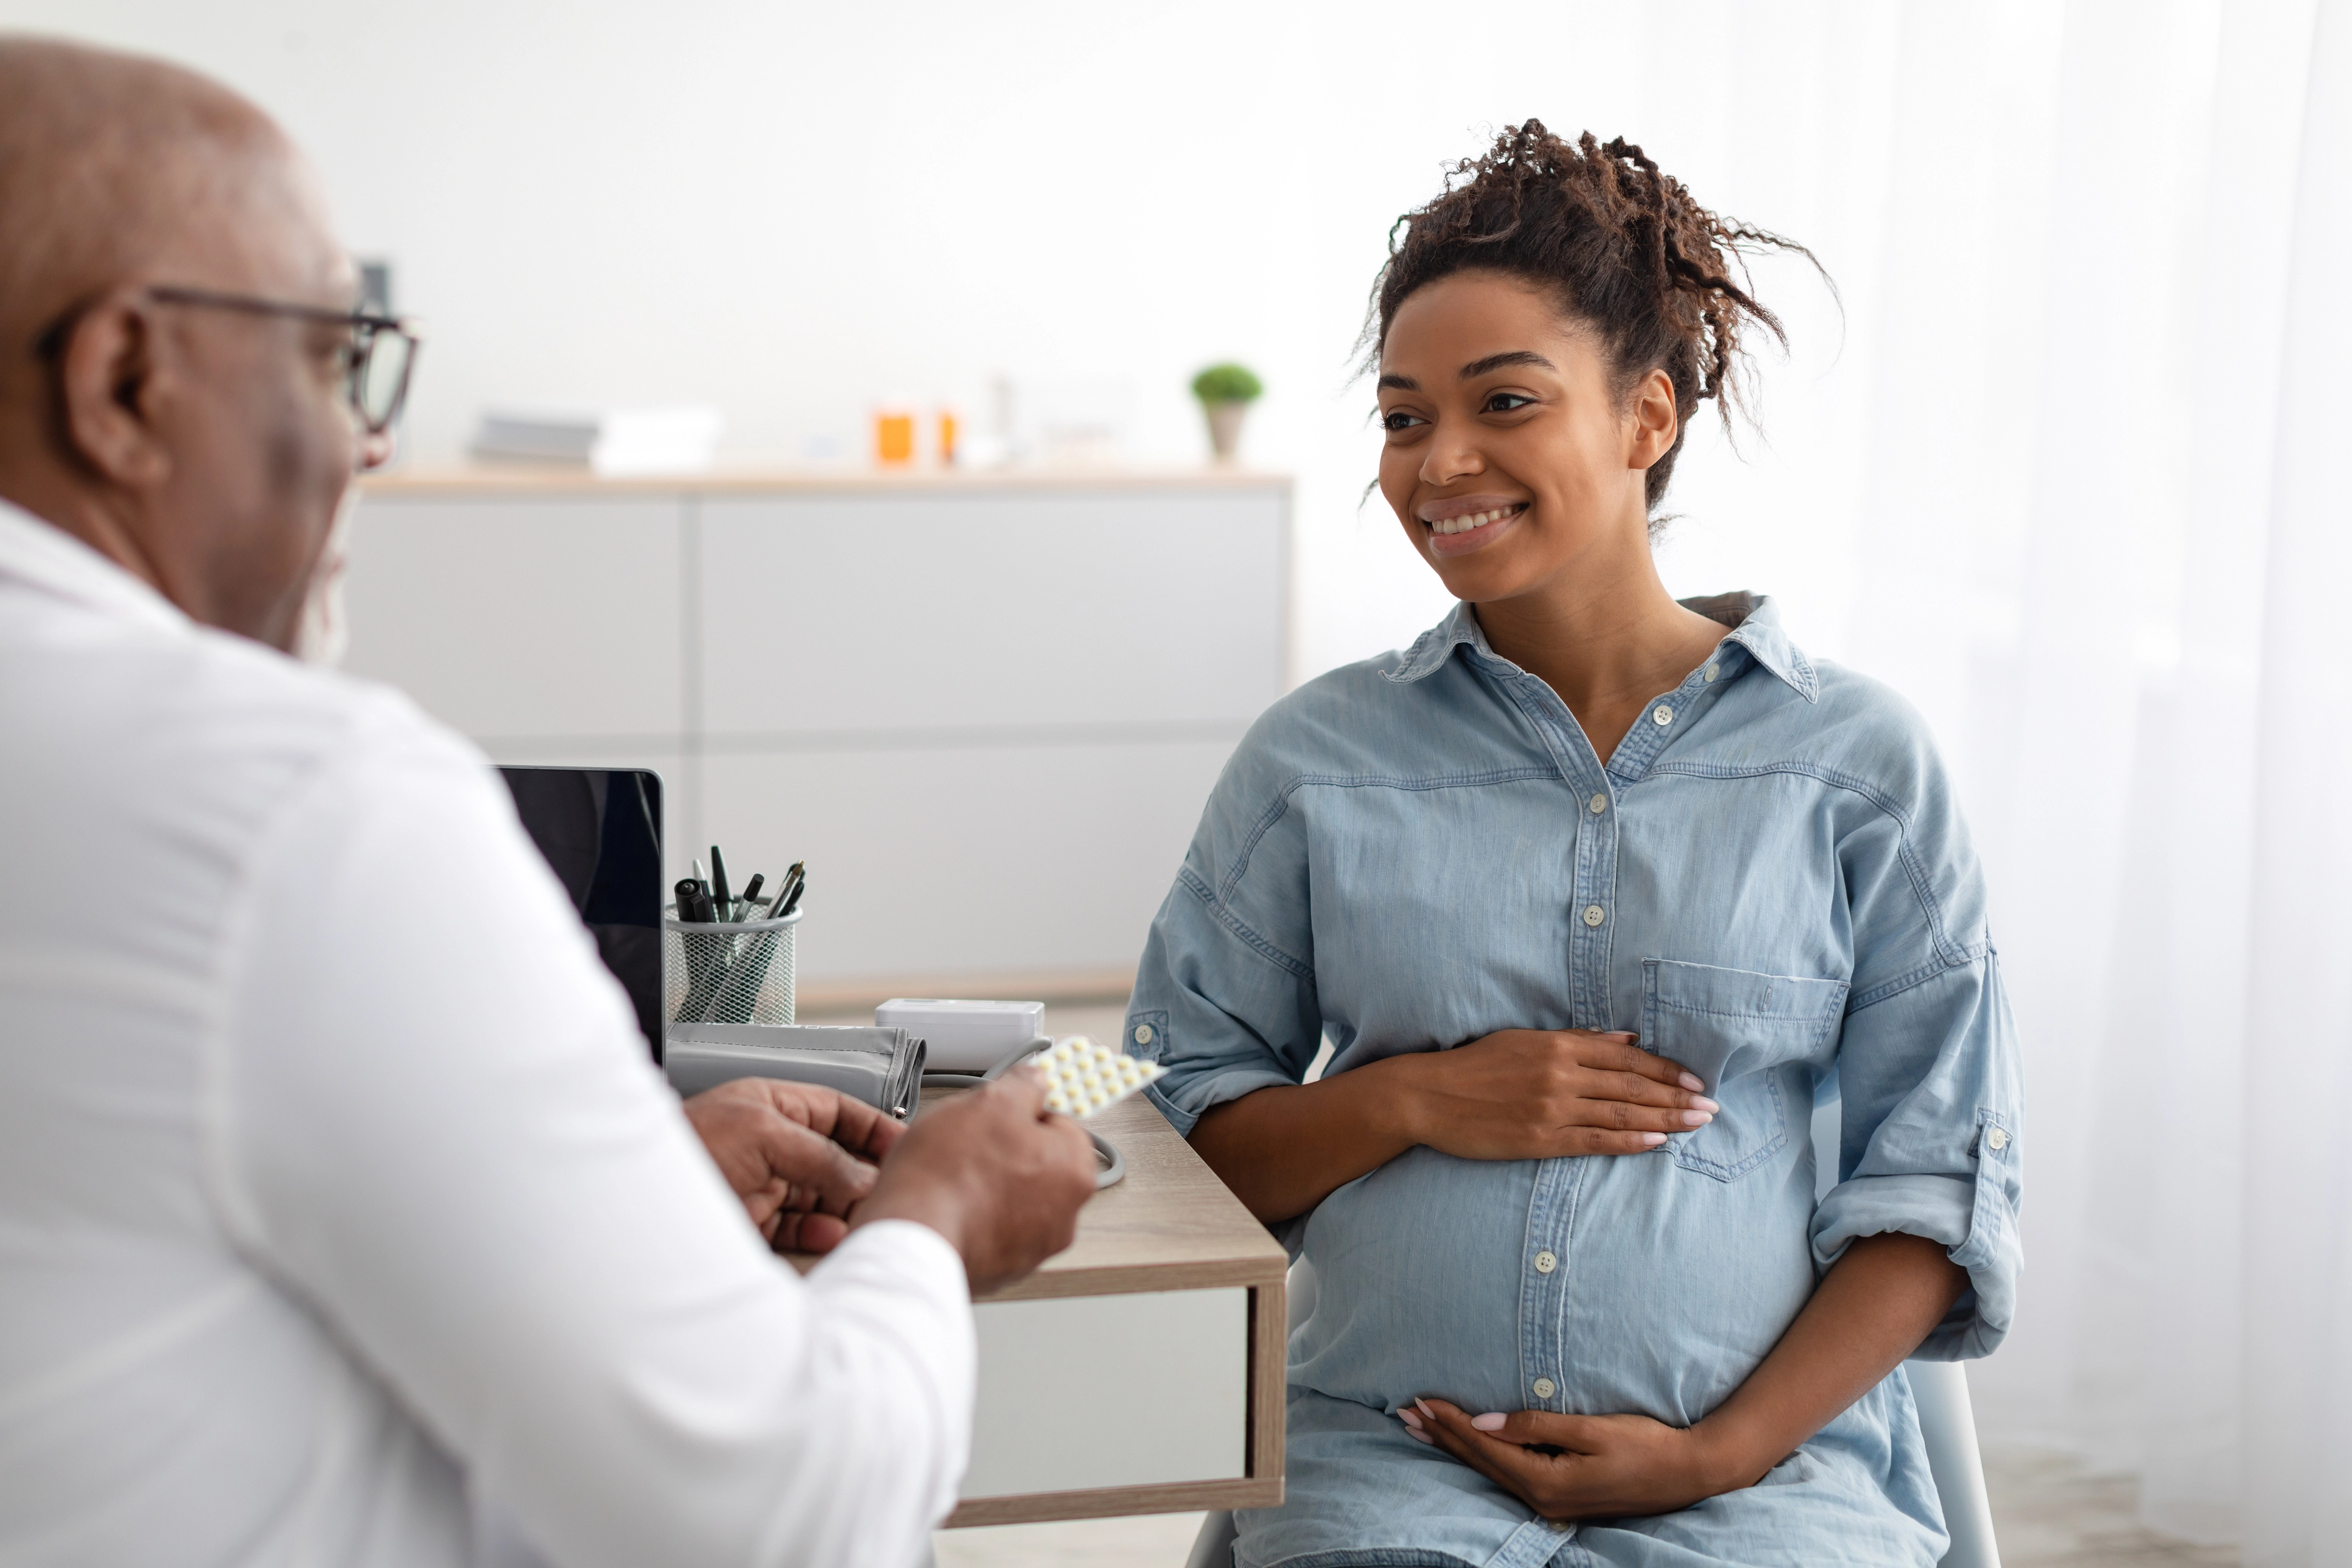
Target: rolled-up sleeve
(1225, 995)
(1931, 1142)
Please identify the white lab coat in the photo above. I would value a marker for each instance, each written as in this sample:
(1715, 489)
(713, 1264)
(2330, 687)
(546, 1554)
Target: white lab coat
(335, 1181)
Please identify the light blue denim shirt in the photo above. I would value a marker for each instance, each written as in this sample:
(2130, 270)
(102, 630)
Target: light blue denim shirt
(1770, 883)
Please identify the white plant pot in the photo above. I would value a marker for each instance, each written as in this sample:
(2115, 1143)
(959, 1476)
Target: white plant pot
(1225, 428)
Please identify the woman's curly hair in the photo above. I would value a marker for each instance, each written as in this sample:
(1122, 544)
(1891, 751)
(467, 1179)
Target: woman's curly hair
(1624, 246)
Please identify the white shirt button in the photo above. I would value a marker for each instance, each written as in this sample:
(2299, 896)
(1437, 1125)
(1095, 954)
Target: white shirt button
(1593, 914)
(1545, 1388)
(1710, 674)
(1662, 715)
(1545, 1261)
(1143, 1034)
(1996, 1139)
(1598, 803)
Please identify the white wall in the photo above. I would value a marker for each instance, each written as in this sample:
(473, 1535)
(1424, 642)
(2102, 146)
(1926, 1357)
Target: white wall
(792, 210)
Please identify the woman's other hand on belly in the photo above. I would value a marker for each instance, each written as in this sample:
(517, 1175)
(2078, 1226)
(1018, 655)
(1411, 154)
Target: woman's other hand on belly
(1872, 1309)
(1576, 1467)
(1517, 1094)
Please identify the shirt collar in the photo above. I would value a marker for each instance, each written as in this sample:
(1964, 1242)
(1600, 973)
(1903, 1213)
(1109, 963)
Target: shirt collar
(1429, 650)
(46, 556)
(1758, 632)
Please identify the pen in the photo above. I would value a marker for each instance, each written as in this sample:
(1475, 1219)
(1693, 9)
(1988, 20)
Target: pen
(794, 900)
(751, 899)
(784, 891)
(719, 883)
(697, 959)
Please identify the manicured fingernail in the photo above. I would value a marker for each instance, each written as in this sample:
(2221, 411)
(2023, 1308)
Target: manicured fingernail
(1422, 1405)
(1701, 1103)
(1490, 1422)
(1697, 1118)
(1410, 1419)
(1418, 1436)
(1652, 1140)
(1691, 1081)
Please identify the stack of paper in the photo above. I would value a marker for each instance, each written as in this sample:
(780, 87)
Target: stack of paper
(624, 441)
(536, 438)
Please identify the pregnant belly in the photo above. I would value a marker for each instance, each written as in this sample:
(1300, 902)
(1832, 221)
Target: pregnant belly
(1632, 1285)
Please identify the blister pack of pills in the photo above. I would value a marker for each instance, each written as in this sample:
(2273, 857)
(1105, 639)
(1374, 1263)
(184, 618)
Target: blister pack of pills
(1081, 1077)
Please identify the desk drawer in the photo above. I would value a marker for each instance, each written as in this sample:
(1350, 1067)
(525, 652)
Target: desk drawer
(1084, 1393)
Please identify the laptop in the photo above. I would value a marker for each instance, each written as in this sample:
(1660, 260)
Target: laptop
(601, 830)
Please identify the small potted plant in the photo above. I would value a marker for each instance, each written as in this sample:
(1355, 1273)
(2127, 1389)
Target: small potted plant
(1225, 392)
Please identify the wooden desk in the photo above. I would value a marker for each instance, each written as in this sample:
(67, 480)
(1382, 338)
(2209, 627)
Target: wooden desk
(1137, 1356)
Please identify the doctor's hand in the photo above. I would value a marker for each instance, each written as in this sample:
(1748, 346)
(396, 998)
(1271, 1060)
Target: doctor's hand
(1577, 1466)
(996, 1173)
(1536, 1094)
(798, 1156)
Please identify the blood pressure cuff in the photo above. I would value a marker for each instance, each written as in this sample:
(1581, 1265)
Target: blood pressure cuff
(884, 1067)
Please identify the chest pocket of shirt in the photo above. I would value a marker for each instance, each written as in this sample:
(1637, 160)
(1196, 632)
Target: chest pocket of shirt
(1735, 1028)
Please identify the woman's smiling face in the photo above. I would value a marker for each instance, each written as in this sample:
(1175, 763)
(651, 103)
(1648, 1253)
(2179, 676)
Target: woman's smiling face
(1509, 455)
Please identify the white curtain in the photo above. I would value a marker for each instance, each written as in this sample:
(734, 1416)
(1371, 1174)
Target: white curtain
(2105, 540)
(2296, 1321)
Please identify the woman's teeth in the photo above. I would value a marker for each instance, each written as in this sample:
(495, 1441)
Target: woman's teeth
(1476, 520)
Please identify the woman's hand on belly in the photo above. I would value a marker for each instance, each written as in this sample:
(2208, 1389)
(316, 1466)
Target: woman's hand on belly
(1876, 1305)
(1577, 1466)
(1518, 1094)
(1540, 1094)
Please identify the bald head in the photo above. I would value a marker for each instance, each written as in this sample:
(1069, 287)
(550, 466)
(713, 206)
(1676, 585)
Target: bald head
(203, 447)
(115, 169)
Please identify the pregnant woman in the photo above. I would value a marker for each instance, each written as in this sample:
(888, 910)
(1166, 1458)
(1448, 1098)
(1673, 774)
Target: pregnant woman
(1593, 892)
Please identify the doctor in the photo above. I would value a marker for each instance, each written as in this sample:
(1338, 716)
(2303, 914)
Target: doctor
(335, 1190)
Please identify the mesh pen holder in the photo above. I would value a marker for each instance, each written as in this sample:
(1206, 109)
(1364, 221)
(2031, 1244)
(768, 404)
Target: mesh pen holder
(739, 973)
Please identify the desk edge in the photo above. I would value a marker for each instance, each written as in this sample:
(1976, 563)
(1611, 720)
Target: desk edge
(1107, 1503)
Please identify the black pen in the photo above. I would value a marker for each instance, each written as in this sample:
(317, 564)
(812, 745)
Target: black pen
(719, 883)
(786, 888)
(794, 901)
(750, 899)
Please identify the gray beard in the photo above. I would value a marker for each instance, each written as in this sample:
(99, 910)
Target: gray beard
(323, 631)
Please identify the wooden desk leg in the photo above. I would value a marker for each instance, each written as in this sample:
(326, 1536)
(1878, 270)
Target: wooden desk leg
(1269, 1384)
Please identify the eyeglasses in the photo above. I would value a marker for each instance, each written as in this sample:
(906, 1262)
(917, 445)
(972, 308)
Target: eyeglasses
(375, 364)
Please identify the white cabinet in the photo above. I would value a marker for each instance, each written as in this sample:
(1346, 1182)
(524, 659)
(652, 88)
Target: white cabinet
(1045, 859)
(985, 711)
(962, 613)
(523, 621)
